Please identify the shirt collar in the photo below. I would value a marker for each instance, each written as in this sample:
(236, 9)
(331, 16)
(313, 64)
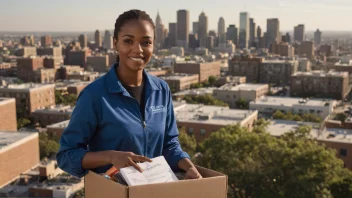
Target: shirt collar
(115, 86)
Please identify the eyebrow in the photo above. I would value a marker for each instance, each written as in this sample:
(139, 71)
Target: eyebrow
(131, 36)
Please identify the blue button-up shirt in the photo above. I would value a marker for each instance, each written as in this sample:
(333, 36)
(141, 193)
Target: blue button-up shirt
(106, 117)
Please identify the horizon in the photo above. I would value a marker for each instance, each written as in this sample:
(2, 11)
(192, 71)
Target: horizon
(86, 16)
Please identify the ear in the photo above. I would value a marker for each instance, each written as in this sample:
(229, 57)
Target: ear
(115, 44)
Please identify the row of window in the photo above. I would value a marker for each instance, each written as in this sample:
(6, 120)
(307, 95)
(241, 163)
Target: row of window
(191, 131)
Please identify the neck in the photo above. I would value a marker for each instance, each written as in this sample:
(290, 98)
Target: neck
(129, 77)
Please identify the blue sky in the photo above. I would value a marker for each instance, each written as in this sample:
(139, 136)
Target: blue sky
(88, 15)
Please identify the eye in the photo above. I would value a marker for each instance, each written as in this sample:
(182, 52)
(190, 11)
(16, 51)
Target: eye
(147, 43)
(129, 41)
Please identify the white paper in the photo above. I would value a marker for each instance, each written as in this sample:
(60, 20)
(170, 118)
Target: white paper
(157, 171)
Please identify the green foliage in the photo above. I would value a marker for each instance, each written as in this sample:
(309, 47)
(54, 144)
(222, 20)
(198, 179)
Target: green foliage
(296, 117)
(48, 145)
(79, 194)
(260, 126)
(208, 83)
(188, 142)
(204, 99)
(341, 117)
(265, 166)
(242, 104)
(22, 122)
(67, 99)
(212, 80)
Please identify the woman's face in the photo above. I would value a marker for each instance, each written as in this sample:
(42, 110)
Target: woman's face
(135, 44)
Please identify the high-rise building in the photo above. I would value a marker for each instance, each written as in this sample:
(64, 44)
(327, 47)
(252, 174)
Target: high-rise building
(182, 28)
(202, 28)
(46, 41)
(273, 31)
(108, 41)
(252, 32)
(244, 30)
(317, 37)
(159, 27)
(306, 49)
(195, 27)
(27, 40)
(299, 33)
(210, 42)
(221, 30)
(83, 40)
(172, 38)
(286, 38)
(259, 32)
(98, 40)
(232, 34)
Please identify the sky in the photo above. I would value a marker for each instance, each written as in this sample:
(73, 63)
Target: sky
(88, 15)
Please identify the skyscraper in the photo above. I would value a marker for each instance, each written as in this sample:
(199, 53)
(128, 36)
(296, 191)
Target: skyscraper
(83, 41)
(299, 33)
(317, 37)
(221, 30)
(244, 30)
(259, 32)
(232, 34)
(97, 38)
(182, 28)
(46, 40)
(273, 31)
(195, 27)
(172, 34)
(108, 41)
(202, 28)
(159, 33)
(252, 31)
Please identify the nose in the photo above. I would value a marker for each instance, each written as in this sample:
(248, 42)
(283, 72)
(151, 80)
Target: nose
(137, 48)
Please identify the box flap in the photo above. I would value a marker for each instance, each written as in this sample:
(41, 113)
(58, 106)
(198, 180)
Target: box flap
(208, 173)
(214, 187)
(98, 186)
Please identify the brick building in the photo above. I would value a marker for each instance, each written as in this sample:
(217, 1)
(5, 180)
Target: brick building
(306, 49)
(26, 67)
(26, 52)
(320, 84)
(7, 69)
(51, 115)
(204, 70)
(282, 49)
(248, 92)
(57, 129)
(247, 66)
(49, 51)
(202, 120)
(46, 40)
(98, 63)
(19, 152)
(29, 97)
(179, 82)
(8, 117)
(77, 57)
(52, 62)
(277, 71)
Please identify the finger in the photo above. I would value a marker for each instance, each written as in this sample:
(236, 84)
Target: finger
(141, 158)
(132, 163)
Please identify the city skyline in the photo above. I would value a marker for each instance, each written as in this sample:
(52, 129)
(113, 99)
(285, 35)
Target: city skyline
(326, 15)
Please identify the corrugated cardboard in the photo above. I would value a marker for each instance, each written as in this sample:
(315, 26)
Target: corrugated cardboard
(213, 185)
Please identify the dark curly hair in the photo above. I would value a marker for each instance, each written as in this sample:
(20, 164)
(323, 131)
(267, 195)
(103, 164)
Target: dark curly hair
(130, 15)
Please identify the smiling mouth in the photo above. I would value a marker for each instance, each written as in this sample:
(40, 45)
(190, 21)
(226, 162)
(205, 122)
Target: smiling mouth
(139, 59)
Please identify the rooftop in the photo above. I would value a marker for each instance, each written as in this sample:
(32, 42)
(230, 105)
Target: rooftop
(207, 114)
(321, 73)
(279, 61)
(4, 101)
(200, 91)
(56, 109)
(12, 139)
(280, 127)
(178, 76)
(62, 124)
(290, 101)
(27, 86)
(243, 87)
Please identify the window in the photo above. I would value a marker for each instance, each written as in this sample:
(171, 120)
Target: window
(190, 131)
(343, 152)
(202, 132)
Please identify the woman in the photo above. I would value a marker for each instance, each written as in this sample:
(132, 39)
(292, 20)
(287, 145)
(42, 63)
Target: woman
(127, 115)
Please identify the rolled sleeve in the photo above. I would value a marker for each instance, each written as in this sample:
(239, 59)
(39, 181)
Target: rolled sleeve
(76, 137)
(172, 150)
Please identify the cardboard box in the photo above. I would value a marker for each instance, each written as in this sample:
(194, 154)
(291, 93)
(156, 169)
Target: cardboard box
(213, 185)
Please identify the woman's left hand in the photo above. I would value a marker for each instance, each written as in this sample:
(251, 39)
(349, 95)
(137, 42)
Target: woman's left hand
(192, 173)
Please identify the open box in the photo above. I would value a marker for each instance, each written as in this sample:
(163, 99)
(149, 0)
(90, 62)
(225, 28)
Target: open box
(213, 185)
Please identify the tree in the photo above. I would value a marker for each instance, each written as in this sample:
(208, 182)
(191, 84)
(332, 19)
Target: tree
(48, 145)
(188, 142)
(66, 99)
(341, 117)
(204, 99)
(279, 115)
(260, 126)
(212, 80)
(265, 166)
(22, 122)
(242, 104)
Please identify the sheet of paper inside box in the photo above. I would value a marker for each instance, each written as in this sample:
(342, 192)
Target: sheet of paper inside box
(157, 171)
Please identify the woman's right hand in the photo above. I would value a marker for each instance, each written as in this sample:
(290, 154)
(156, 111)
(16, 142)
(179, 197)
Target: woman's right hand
(121, 159)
